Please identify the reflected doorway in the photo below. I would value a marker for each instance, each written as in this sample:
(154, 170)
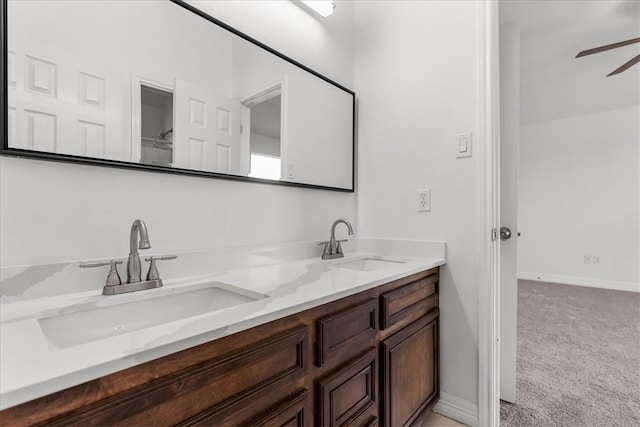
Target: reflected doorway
(264, 140)
(156, 124)
(263, 118)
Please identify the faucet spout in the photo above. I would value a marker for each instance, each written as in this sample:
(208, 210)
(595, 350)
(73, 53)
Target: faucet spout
(138, 238)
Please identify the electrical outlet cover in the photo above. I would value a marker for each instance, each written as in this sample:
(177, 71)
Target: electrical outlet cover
(424, 200)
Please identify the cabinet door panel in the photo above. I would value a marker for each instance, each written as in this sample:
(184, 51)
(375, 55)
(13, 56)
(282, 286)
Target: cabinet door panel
(371, 422)
(410, 363)
(293, 412)
(342, 334)
(347, 394)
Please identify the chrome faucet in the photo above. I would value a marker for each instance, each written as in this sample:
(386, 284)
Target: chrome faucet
(332, 248)
(138, 231)
(138, 239)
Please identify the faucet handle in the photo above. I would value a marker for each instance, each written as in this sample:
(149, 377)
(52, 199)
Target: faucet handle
(153, 273)
(327, 248)
(338, 247)
(161, 258)
(113, 279)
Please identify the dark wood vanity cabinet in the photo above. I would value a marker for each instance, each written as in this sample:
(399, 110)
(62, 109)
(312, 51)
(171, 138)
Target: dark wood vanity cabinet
(370, 359)
(409, 357)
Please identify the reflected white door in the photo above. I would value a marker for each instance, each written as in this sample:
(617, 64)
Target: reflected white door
(245, 140)
(509, 152)
(206, 130)
(192, 118)
(59, 103)
(227, 135)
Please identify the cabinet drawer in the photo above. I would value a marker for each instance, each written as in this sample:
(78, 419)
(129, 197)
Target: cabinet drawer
(413, 300)
(211, 389)
(344, 334)
(349, 394)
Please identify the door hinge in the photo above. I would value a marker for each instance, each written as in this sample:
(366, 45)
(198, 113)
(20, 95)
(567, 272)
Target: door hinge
(494, 234)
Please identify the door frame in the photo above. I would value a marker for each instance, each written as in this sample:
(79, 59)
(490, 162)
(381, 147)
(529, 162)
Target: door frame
(489, 210)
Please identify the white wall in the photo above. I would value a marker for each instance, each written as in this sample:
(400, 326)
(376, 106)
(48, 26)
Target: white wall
(316, 118)
(53, 212)
(265, 145)
(553, 32)
(579, 195)
(417, 84)
(325, 45)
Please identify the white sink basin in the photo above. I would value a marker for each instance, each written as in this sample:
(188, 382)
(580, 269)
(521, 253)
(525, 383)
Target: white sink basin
(120, 314)
(368, 264)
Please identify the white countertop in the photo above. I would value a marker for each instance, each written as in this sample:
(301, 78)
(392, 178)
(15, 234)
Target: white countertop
(31, 367)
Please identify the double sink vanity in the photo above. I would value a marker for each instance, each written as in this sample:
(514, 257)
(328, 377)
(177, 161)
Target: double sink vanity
(345, 333)
(277, 339)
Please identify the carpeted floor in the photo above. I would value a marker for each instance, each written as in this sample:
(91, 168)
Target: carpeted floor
(578, 357)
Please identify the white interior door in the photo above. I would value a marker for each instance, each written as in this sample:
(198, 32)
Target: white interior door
(245, 140)
(192, 120)
(206, 130)
(509, 152)
(59, 103)
(227, 135)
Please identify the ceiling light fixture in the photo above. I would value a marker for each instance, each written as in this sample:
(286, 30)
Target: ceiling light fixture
(322, 7)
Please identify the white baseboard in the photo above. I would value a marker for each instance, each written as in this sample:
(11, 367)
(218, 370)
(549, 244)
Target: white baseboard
(581, 281)
(457, 409)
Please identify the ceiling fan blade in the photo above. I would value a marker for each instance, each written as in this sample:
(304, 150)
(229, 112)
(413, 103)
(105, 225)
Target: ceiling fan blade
(625, 66)
(607, 47)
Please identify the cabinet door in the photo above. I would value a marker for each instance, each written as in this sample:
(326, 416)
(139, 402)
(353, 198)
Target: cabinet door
(348, 395)
(410, 371)
(292, 412)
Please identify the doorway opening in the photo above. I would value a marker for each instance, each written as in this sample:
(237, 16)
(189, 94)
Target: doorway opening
(574, 148)
(264, 144)
(263, 116)
(156, 125)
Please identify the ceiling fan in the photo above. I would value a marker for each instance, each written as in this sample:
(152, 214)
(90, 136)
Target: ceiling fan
(621, 68)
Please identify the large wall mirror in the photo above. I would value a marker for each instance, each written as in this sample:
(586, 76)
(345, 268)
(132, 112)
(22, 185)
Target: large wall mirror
(160, 85)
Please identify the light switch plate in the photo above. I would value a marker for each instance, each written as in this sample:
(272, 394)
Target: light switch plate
(464, 145)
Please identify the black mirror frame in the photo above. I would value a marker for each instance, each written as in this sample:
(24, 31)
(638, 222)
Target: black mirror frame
(5, 150)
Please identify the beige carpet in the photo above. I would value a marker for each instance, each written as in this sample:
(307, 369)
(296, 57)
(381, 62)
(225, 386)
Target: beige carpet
(578, 357)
